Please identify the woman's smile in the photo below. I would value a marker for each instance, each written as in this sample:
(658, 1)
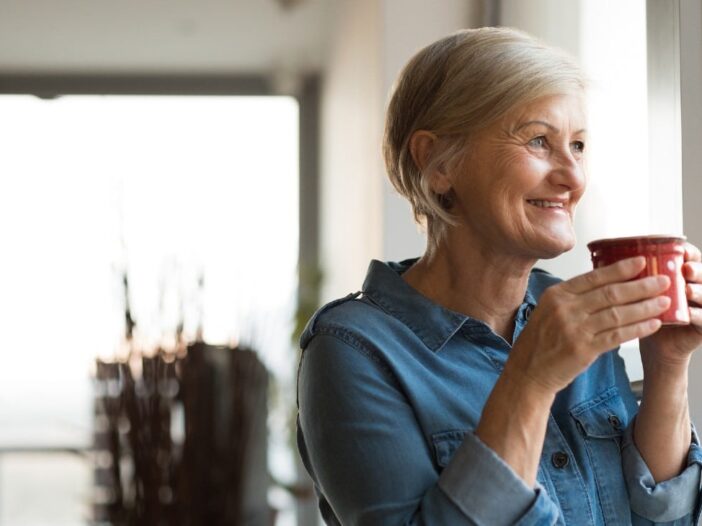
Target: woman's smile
(550, 208)
(548, 204)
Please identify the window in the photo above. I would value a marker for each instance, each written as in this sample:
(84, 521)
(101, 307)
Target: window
(168, 189)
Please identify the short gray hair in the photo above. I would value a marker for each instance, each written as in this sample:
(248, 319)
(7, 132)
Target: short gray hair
(455, 87)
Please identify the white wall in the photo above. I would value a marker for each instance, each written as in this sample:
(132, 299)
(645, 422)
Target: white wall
(362, 217)
(351, 184)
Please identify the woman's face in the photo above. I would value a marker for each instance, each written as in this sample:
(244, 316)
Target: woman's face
(523, 177)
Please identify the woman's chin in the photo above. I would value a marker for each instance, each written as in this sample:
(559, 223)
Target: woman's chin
(554, 247)
(552, 243)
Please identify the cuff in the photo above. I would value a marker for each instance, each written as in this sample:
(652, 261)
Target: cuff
(488, 491)
(668, 500)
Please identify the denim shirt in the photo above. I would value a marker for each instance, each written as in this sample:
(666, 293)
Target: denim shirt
(391, 388)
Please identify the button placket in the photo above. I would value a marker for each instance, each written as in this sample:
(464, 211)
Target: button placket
(568, 483)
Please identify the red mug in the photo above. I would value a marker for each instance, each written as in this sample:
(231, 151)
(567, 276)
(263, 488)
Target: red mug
(664, 255)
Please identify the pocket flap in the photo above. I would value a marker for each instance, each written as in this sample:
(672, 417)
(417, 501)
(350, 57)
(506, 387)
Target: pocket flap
(604, 416)
(445, 445)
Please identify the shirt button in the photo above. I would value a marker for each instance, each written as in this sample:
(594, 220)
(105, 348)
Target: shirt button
(560, 459)
(527, 312)
(614, 421)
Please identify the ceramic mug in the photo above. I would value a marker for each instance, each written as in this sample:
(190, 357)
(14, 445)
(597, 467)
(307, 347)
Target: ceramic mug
(664, 255)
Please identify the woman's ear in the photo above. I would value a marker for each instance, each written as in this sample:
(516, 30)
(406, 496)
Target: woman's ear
(422, 145)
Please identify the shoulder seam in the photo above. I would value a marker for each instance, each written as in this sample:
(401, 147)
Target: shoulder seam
(311, 328)
(357, 342)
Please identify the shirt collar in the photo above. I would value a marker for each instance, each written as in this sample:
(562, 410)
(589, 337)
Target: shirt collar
(432, 323)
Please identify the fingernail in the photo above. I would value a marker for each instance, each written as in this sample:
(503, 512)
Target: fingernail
(636, 261)
(663, 301)
(663, 280)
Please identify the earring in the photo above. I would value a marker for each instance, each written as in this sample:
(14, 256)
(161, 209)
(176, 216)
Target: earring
(446, 200)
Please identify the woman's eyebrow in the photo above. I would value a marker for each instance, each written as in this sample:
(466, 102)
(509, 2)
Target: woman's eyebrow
(543, 123)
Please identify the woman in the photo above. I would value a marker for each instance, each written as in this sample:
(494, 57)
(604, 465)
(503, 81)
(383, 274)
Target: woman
(467, 387)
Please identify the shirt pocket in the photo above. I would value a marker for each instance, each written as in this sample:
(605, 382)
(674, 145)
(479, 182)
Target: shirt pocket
(445, 445)
(601, 422)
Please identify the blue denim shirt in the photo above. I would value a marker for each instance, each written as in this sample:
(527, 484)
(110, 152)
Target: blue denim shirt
(391, 387)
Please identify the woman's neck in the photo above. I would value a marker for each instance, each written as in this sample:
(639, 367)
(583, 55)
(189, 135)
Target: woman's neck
(474, 280)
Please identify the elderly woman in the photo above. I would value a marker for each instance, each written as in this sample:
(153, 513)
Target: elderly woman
(466, 386)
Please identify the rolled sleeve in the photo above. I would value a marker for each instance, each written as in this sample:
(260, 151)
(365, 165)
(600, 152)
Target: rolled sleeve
(476, 474)
(671, 500)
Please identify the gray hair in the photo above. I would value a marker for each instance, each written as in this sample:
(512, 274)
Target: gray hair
(455, 87)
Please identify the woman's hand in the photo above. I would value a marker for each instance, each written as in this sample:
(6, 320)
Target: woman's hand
(675, 345)
(662, 430)
(578, 320)
(574, 323)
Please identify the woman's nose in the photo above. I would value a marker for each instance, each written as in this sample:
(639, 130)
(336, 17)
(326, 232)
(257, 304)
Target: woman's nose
(568, 171)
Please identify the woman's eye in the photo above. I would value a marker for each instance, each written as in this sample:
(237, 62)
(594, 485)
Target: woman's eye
(538, 142)
(579, 146)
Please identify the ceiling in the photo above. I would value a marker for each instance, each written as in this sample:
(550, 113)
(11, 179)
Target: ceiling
(165, 36)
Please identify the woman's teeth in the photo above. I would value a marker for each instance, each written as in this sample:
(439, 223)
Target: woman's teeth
(545, 204)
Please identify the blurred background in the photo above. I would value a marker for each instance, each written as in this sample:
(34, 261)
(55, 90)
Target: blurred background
(182, 183)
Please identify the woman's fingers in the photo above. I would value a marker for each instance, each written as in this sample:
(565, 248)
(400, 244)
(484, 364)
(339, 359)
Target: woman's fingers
(692, 271)
(624, 315)
(694, 293)
(623, 270)
(692, 253)
(623, 293)
(696, 318)
(613, 337)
